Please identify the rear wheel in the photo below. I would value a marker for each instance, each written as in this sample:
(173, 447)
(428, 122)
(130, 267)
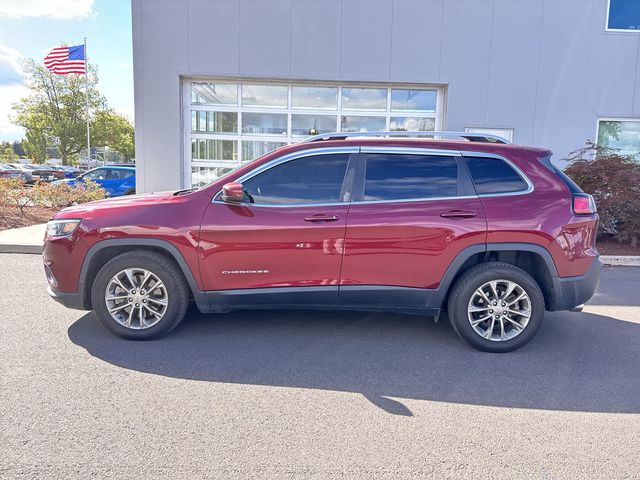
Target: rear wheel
(496, 307)
(140, 295)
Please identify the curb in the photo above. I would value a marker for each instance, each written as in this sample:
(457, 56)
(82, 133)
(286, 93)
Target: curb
(18, 248)
(621, 260)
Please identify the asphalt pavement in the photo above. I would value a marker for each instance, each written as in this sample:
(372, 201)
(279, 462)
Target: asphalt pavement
(315, 394)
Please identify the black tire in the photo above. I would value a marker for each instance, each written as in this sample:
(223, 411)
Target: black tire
(166, 270)
(473, 279)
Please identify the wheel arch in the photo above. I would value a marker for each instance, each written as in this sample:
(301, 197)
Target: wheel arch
(104, 250)
(533, 259)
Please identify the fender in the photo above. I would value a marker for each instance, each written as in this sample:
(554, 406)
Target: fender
(165, 245)
(439, 294)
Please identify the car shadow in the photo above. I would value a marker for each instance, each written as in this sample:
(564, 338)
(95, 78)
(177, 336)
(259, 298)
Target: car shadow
(577, 362)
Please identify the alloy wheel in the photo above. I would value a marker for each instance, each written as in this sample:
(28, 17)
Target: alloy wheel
(136, 298)
(499, 310)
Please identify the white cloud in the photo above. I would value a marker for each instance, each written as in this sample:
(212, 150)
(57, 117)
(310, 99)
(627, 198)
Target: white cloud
(11, 91)
(60, 9)
(10, 94)
(10, 68)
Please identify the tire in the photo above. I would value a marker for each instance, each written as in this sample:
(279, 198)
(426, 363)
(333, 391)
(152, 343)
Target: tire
(173, 290)
(464, 297)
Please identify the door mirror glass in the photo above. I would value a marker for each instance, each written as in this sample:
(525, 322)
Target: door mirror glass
(233, 192)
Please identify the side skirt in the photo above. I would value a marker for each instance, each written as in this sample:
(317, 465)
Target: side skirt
(412, 301)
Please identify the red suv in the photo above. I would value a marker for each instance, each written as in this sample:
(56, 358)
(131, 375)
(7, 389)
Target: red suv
(491, 232)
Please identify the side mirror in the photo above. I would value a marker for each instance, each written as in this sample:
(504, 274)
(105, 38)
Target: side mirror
(233, 192)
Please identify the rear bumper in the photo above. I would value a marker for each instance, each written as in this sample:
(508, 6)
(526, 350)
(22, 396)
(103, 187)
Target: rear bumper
(69, 300)
(574, 291)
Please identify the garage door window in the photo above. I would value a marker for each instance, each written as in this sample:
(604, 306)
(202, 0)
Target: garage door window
(228, 123)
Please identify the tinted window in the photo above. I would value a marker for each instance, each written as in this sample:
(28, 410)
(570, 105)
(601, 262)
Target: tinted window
(492, 175)
(308, 180)
(400, 177)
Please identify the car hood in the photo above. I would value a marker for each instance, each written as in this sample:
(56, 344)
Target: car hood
(116, 203)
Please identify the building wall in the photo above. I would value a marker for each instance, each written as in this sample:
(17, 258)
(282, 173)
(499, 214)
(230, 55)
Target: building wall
(546, 68)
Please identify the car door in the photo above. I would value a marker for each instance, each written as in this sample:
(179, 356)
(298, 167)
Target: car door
(285, 241)
(413, 211)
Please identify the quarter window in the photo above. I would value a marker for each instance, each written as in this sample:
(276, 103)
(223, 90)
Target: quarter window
(405, 177)
(492, 175)
(308, 180)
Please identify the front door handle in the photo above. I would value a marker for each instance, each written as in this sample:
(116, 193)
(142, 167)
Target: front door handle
(322, 218)
(458, 214)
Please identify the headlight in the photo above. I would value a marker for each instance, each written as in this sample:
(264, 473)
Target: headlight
(62, 228)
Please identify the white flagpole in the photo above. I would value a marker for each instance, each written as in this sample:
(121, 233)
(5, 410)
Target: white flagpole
(86, 77)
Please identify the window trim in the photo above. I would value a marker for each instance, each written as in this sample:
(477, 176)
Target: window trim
(617, 30)
(351, 151)
(530, 188)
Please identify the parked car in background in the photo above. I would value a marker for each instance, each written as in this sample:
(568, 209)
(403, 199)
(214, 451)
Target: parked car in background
(493, 234)
(69, 171)
(117, 180)
(9, 171)
(38, 173)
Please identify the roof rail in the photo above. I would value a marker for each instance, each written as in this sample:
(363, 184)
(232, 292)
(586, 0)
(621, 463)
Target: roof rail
(472, 137)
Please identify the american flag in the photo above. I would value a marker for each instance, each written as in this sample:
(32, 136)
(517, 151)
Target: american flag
(63, 60)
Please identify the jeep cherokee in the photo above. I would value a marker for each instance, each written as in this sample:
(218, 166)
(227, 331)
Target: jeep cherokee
(490, 232)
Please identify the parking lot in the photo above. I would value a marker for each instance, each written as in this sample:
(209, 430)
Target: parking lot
(300, 394)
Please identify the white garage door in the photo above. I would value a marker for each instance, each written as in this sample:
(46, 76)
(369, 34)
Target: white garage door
(229, 123)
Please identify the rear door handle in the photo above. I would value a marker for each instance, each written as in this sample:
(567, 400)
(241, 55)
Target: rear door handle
(458, 214)
(322, 218)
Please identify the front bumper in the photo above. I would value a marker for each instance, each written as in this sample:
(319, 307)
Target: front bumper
(69, 300)
(574, 291)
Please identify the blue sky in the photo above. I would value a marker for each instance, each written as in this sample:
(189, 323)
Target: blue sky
(30, 28)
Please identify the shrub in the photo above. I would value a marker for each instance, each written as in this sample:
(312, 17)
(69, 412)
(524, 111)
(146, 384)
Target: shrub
(14, 193)
(614, 181)
(60, 195)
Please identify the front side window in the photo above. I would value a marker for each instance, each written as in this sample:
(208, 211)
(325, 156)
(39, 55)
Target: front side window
(308, 180)
(624, 15)
(623, 135)
(492, 175)
(98, 174)
(406, 177)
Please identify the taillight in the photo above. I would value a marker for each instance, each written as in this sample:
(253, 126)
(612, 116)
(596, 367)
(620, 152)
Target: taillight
(583, 204)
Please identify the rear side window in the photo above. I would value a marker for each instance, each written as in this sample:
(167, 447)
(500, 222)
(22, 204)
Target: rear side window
(308, 180)
(492, 175)
(405, 177)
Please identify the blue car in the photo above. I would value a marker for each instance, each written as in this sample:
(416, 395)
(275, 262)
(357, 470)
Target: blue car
(69, 171)
(116, 180)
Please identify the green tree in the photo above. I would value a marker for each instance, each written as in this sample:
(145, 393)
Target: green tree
(56, 109)
(35, 145)
(110, 129)
(6, 152)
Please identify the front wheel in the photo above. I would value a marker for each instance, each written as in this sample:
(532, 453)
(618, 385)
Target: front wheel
(140, 295)
(496, 307)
